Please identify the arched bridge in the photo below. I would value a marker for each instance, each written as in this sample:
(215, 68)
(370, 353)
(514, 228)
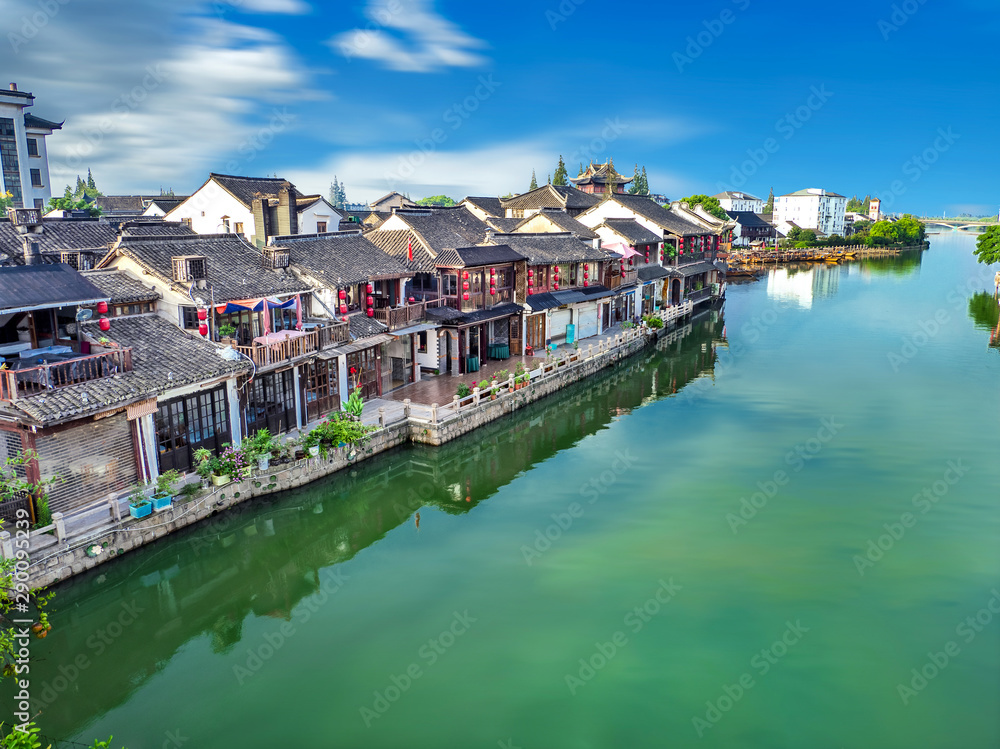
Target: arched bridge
(958, 224)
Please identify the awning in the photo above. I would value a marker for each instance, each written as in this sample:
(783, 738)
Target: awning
(359, 345)
(695, 268)
(281, 335)
(253, 305)
(620, 248)
(414, 329)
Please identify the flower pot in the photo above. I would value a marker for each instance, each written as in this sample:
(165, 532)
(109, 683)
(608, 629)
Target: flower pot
(314, 451)
(161, 502)
(220, 480)
(142, 511)
(246, 473)
(300, 454)
(264, 462)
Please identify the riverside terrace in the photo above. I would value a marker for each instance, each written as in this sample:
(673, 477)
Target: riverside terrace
(66, 548)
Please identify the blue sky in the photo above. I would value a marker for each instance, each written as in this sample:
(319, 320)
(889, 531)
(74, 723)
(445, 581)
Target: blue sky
(896, 99)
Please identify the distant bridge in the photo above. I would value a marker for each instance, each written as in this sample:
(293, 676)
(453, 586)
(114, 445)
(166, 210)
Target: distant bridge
(957, 224)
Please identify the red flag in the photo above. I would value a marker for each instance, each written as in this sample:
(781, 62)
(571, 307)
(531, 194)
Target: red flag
(409, 250)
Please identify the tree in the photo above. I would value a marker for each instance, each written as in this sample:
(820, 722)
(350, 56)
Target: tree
(6, 201)
(854, 205)
(333, 192)
(645, 183)
(988, 246)
(74, 204)
(561, 177)
(534, 182)
(81, 188)
(640, 185)
(710, 204)
(884, 233)
(769, 205)
(91, 185)
(440, 200)
(866, 206)
(909, 230)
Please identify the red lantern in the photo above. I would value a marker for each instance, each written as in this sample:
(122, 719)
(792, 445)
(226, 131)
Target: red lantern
(647, 257)
(586, 266)
(465, 297)
(344, 319)
(203, 329)
(343, 309)
(465, 276)
(412, 300)
(531, 282)
(465, 285)
(531, 273)
(586, 275)
(531, 291)
(586, 284)
(370, 301)
(370, 288)
(371, 312)
(493, 271)
(555, 286)
(102, 308)
(203, 314)
(342, 295)
(493, 290)
(104, 324)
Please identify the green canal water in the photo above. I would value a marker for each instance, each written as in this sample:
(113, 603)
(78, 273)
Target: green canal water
(750, 537)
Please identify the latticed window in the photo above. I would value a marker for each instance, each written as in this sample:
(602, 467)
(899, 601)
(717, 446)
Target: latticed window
(190, 268)
(276, 257)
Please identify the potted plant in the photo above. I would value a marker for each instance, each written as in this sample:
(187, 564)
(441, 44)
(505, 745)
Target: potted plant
(355, 405)
(464, 391)
(164, 493)
(232, 464)
(260, 447)
(138, 505)
(203, 463)
(311, 443)
(226, 333)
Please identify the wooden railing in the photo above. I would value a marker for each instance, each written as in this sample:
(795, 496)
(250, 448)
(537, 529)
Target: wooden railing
(700, 294)
(401, 317)
(292, 348)
(17, 383)
(626, 277)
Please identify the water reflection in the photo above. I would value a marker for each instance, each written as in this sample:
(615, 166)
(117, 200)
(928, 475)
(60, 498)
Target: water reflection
(121, 624)
(984, 310)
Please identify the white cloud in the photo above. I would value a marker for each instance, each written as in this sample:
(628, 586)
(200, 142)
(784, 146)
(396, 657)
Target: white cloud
(408, 35)
(144, 110)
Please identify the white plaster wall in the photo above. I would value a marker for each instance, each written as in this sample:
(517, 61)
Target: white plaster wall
(207, 207)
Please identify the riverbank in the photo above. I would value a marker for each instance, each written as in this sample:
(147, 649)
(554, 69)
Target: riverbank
(57, 553)
(817, 254)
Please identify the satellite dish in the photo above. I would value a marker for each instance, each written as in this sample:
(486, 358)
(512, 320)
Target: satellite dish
(84, 315)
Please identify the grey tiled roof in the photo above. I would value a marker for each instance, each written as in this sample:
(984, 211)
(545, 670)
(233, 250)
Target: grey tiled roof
(341, 259)
(244, 189)
(31, 120)
(543, 249)
(552, 196)
(445, 228)
(121, 287)
(748, 219)
(476, 256)
(168, 202)
(156, 228)
(60, 234)
(235, 267)
(563, 221)
(653, 211)
(45, 285)
(631, 230)
(362, 326)
(504, 225)
(396, 243)
(491, 206)
(163, 358)
(455, 317)
(653, 272)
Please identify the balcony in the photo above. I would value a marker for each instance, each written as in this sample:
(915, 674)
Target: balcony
(700, 295)
(397, 318)
(21, 378)
(626, 277)
(289, 345)
(689, 257)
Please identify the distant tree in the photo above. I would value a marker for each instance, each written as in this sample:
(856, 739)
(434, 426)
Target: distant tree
(440, 200)
(640, 185)
(74, 204)
(333, 193)
(634, 187)
(854, 205)
(645, 182)
(6, 201)
(561, 177)
(534, 181)
(988, 246)
(68, 192)
(808, 236)
(338, 195)
(884, 233)
(866, 206)
(794, 234)
(81, 188)
(710, 204)
(909, 230)
(91, 185)
(769, 205)
(581, 170)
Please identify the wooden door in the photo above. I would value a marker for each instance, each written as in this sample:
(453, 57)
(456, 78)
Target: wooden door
(516, 338)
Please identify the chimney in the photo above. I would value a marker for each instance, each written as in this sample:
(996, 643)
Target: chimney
(288, 210)
(261, 224)
(13, 87)
(32, 255)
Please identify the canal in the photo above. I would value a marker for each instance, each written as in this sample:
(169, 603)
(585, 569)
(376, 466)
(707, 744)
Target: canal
(778, 531)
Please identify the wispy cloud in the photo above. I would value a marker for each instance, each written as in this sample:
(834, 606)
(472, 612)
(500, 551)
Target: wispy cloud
(408, 35)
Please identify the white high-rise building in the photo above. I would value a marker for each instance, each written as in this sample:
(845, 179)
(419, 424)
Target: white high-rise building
(812, 208)
(23, 155)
